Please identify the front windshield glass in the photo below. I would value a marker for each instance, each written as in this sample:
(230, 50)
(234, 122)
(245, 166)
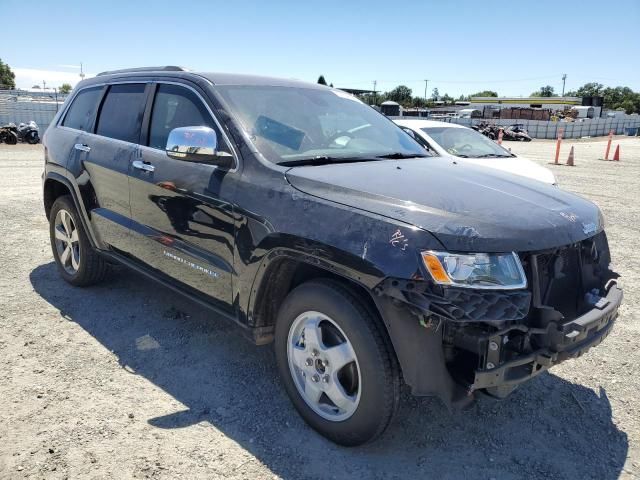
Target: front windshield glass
(293, 123)
(464, 142)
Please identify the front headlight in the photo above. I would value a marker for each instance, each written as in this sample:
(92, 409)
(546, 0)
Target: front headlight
(498, 271)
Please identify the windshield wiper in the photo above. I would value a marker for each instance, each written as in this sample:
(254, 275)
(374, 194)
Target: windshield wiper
(400, 156)
(324, 160)
(493, 155)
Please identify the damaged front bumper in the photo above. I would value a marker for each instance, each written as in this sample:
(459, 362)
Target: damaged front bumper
(564, 341)
(494, 340)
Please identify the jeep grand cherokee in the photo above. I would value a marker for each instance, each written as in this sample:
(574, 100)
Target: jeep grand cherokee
(310, 220)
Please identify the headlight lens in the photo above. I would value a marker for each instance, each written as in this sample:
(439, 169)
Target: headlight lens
(498, 271)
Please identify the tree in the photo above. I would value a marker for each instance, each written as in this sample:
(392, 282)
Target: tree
(447, 99)
(546, 91)
(485, 93)
(400, 94)
(617, 98)
(36, 86)
(65, 88)
(7, 77)
(592, 89)
(435, 94)
(418, 102)
(628, 106)
(321, 80)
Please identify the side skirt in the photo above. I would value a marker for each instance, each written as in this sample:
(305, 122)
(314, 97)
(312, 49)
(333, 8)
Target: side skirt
(257, 336)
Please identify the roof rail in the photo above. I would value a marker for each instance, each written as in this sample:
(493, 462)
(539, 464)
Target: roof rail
(167, 68)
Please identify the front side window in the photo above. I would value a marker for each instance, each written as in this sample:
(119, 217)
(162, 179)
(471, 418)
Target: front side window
(121, 112)
(466, 143)
(297, 123)
(175, 107)
(81, 111)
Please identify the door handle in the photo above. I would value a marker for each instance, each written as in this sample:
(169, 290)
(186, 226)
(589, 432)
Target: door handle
(140, 165)
(82, 147)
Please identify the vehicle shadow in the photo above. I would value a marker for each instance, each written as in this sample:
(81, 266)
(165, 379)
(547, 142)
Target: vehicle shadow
(549, 428)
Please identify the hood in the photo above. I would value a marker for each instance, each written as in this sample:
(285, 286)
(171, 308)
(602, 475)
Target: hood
(468, 208)
(517, 165)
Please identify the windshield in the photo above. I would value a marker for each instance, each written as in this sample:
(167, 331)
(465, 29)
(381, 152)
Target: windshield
(464, 142)
(293, 123)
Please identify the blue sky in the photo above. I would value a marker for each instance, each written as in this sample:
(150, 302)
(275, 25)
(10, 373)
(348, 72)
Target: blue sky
(460, 46)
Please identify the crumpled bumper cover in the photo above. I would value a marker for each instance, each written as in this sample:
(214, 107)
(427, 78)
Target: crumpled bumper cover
(567, 340)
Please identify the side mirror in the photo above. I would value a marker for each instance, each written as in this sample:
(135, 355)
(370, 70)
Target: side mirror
(197, 144)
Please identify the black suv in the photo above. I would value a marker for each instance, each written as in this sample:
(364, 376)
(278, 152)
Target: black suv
(311, 220)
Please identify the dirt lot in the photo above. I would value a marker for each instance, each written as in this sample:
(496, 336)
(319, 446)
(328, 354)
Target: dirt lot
(127, 380)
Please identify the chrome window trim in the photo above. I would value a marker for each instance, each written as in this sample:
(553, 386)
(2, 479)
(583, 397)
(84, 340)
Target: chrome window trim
(225, 137)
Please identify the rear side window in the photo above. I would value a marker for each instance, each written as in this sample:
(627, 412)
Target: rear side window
(81, 111)
(121, 112)
(174, 107)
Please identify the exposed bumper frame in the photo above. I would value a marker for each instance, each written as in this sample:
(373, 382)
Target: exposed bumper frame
(568, 340)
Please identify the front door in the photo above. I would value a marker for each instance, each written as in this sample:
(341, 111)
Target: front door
(182, 221)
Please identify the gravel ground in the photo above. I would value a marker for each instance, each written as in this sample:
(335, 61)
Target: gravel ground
(127, 380)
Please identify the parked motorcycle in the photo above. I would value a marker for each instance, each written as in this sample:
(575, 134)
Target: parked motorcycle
(516, 132)
(28, 132)
(8, 135)
(487, 130)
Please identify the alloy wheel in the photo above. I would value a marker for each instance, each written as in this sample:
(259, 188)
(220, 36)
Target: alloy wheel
(324, 366)
(67, 242)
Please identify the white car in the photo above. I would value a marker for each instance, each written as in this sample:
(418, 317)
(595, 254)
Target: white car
(465, 145)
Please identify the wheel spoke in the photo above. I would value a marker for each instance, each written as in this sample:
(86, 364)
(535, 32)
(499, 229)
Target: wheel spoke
(340, 355)
(66, 222)
(64, 258)
(312, 333)
(60, 234)
(337, 395)
(312, 390)
(74, 236)
(299, 356)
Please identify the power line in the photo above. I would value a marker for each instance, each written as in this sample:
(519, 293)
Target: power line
(460, 81)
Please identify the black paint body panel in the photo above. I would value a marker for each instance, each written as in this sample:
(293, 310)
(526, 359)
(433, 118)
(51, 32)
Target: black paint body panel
(214, 233)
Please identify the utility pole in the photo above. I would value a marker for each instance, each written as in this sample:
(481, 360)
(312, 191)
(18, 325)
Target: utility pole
(44, 85)
(375, 82)
(81, 72)
(564, 78)
(425, 89)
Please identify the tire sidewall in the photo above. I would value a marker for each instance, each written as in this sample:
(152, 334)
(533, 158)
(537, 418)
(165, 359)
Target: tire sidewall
(368, 420)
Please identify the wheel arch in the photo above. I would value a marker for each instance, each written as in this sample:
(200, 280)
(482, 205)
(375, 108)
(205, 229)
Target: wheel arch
(283, 269)
(55, 186)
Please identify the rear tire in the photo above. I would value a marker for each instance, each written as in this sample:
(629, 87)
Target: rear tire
(78, 263)
(11, 138)
(33, 138)
(336, 362)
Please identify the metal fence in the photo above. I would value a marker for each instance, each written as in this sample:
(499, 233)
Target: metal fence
(18, 106)
(595, 127)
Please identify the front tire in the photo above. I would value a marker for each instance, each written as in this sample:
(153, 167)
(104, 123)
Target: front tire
(336, 362)
(78, 263)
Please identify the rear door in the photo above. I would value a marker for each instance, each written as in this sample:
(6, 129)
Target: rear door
(110, 150)
(65, 147)
(183, 218)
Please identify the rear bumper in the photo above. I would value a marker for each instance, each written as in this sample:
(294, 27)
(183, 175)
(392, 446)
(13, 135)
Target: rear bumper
(567, 340)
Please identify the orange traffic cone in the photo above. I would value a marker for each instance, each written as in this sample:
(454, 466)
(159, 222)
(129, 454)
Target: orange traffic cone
(570, 159)
(616, 156)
